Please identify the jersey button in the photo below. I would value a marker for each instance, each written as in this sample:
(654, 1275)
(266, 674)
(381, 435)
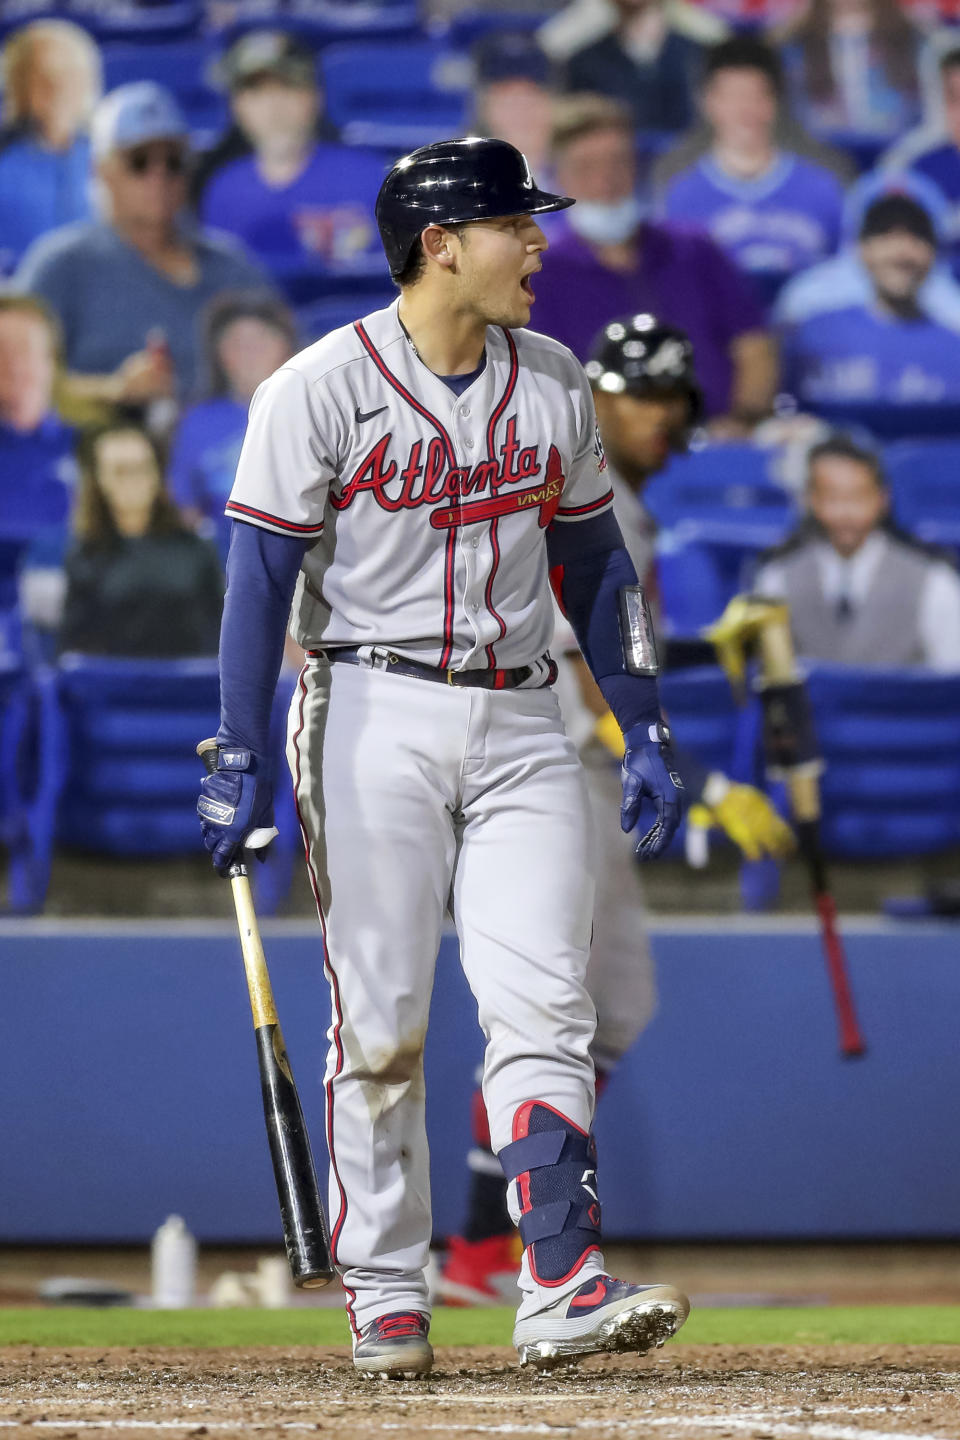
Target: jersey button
(468, 442)
(464, 410)
(475, 542)
(474, 606)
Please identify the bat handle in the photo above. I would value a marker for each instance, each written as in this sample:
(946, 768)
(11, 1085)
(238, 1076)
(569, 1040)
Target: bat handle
(208, 751)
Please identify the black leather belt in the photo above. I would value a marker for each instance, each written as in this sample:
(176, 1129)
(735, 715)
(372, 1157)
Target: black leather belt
(397, 665)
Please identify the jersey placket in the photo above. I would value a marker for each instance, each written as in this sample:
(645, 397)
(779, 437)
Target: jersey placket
(476, 556)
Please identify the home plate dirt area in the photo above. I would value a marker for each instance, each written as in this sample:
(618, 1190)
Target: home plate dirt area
(836, 1392)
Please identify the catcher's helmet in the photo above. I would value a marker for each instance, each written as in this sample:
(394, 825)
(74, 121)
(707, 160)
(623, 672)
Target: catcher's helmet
(451, 182)
(637, 355)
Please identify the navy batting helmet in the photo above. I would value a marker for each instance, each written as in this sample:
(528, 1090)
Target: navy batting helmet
(451, 182)
(638, 356)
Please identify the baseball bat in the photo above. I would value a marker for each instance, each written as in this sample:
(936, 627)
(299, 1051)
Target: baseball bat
(305, 1233)
(781, 679)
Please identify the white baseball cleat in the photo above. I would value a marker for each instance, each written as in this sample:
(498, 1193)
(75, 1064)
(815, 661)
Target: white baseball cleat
(395, 1346)
(605, 1316)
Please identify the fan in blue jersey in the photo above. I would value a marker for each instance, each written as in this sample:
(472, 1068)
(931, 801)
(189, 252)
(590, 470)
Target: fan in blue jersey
(247, 337)
(51, 74)
(772, 211)
(302, 205)
(843, 279)
(888, 351)
(36, 448)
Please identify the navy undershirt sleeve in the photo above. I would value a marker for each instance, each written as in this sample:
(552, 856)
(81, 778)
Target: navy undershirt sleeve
(589, 565)
(262, 570)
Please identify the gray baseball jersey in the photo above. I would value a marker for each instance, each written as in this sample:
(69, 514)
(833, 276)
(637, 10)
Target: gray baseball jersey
(427, 509)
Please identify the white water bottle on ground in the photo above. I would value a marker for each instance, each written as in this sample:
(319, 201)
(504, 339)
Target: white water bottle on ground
(173, 1256)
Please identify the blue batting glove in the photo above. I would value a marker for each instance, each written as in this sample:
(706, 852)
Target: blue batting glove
(650, 772)
(236, 808)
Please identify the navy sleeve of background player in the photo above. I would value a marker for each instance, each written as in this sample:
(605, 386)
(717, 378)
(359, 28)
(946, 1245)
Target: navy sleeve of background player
(262, 570)
(589, 565)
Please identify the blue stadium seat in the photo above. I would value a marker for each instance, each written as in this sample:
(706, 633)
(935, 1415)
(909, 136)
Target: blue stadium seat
(925, 484)
(16, 696)
(307, 282)
(185, 67)
(468, 26)
(318, 319)
(703, 714)
(891, 743)
(892, 422)
(115, 19)
(723, 484)
(118, 772)
(321, 22)
(717, 508)
(398, 95)
(704, 718)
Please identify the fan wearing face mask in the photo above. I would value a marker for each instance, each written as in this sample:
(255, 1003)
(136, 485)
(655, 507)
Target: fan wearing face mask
(612, 260)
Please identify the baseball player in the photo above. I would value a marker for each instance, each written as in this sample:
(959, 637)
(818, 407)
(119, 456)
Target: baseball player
(413, 478)
(648, 402)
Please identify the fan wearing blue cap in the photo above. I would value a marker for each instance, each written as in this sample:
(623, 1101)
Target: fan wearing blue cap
(129, 286)
(300, 201)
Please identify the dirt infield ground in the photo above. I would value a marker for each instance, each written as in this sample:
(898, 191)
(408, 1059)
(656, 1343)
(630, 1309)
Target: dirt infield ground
(688, 1392)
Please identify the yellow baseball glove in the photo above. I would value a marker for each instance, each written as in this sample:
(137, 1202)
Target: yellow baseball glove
(744, 814)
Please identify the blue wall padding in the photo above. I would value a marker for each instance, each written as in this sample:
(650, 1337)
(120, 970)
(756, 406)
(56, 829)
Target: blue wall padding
(129, 1088)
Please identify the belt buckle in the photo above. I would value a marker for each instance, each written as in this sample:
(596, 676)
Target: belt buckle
(450, 679)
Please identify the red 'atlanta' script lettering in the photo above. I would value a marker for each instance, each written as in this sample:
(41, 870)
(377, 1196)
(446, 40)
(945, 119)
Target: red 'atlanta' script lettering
(426, 479)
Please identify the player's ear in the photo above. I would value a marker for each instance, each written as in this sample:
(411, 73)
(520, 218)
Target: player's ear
(437, 245)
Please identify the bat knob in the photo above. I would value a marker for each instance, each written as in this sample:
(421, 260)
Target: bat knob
(208, 750)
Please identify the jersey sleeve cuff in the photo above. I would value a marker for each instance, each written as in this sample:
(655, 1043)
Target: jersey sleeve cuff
(237, 510)
(581, 512)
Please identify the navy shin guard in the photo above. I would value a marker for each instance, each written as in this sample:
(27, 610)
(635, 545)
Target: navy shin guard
(553, 1163)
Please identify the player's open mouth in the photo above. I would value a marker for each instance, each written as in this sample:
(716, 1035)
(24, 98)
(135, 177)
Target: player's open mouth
(526, 286)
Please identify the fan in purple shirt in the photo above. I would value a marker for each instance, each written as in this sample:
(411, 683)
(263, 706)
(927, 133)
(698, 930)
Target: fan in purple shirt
(303, 206)
(772, 212)
(612, 262)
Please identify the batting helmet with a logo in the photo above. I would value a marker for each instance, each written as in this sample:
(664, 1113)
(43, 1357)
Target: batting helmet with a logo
(451, 182)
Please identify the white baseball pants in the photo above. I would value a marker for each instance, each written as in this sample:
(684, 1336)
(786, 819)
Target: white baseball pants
(620, 976)
(413, 795)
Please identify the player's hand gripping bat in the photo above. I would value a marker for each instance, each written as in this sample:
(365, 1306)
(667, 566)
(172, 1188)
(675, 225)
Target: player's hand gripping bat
(754, 622)
(301, 1208)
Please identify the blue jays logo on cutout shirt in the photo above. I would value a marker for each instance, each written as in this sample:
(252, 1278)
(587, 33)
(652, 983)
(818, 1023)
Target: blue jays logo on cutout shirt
(861, 355)
(322, 221)
(771, 226)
